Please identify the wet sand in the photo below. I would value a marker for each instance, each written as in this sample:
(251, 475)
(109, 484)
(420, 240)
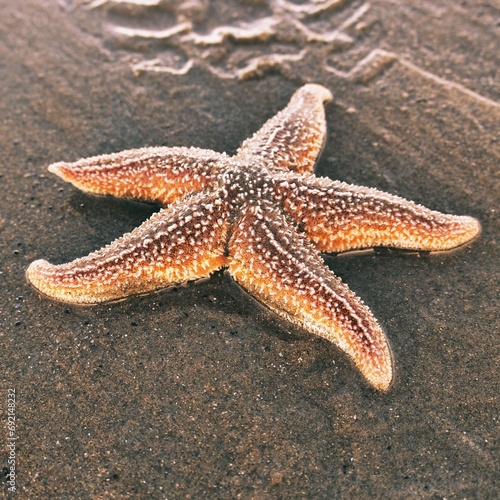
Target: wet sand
(199, 391)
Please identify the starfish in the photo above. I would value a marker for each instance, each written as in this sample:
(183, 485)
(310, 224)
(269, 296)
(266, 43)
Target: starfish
(264, 216)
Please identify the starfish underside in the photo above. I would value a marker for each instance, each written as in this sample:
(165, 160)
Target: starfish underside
(264, 216)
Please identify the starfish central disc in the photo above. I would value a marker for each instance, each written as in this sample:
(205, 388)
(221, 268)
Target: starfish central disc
(261, 214)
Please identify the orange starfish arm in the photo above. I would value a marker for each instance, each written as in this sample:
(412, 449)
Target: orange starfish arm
(162, 175)
(294, 137)
(177, 244)
(269, 258)
(337, 217)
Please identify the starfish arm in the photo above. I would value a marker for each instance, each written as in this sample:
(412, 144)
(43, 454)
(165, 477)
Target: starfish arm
(270, 259)
(180, 243)
(162, 175)
(294, 137)
(337, 217)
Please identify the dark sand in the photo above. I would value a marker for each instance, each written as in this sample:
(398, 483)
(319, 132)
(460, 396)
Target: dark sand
(199, 391)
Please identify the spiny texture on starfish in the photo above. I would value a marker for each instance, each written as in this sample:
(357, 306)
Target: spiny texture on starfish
(261, 214)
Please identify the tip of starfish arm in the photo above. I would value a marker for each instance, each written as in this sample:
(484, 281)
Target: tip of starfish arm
(368, 348)
(55, 168)
(42, 275)
(65, 171)
(375, 364)
(464, 230)
(319, 91)
(35, 272)
(474, 226)
(381, 379)
(60, 169)
(73, 173)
